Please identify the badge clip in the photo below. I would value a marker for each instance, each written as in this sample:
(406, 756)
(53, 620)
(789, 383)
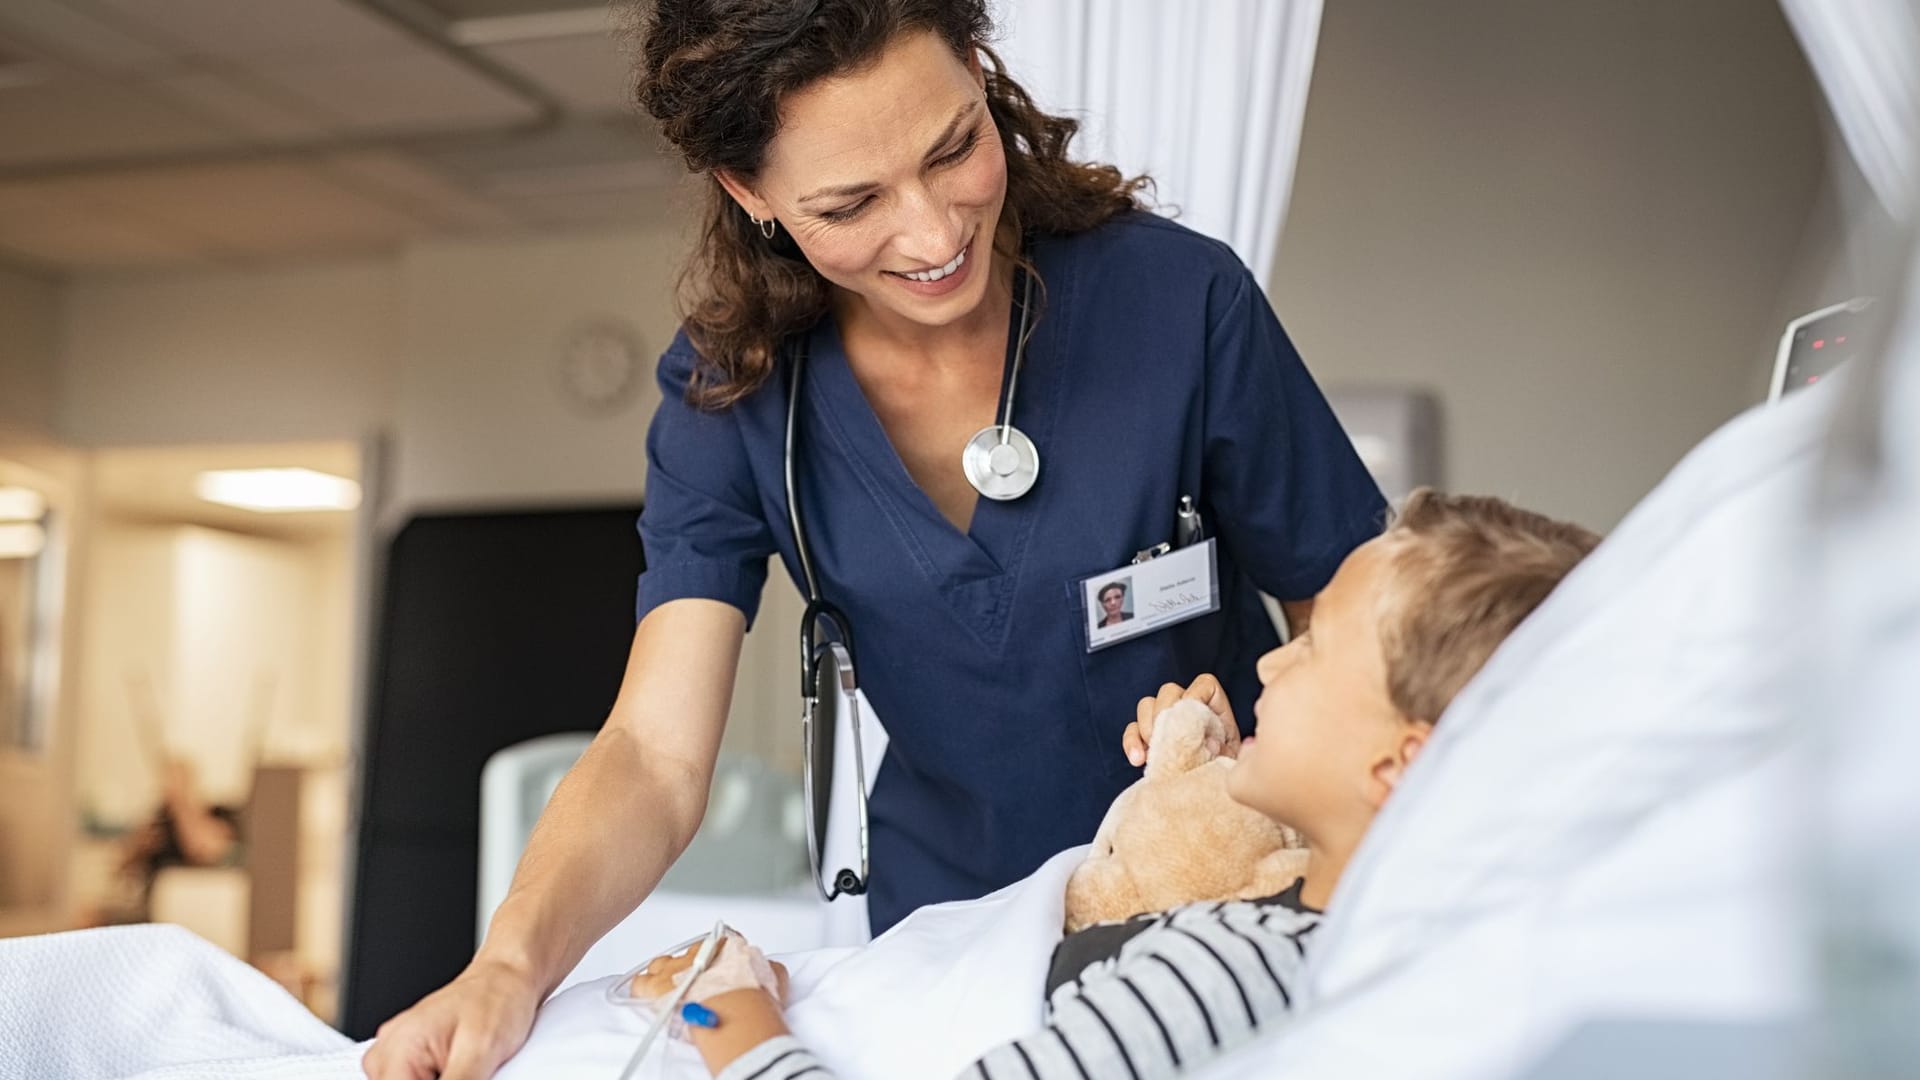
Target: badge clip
(1153, 552)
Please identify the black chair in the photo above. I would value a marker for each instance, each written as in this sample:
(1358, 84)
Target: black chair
(493, 628)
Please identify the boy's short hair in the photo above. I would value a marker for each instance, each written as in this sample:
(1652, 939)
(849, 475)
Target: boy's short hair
(1466, 570)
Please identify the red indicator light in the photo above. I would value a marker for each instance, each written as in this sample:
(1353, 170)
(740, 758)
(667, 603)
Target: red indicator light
(1811, 379)
(1820, 343)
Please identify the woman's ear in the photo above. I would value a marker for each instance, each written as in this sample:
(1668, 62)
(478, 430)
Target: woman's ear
(743, 194)
(976, 69)
(1392, 764)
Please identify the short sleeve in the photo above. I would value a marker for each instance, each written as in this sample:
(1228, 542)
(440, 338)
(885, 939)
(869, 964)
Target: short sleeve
(1290, 496)
(701, 527)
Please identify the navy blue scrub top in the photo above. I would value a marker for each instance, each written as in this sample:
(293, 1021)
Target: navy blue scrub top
(1155, 369)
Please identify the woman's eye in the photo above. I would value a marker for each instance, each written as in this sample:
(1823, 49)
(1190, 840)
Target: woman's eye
(846, 213)
(961, 153)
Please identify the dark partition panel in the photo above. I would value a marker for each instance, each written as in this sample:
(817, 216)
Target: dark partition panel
(494, 628)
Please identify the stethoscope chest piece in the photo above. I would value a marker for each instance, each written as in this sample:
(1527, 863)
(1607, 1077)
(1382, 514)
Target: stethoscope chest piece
(1001, 462)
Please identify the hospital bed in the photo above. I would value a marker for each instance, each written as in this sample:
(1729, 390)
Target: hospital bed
(1639, 863)
(747, 863)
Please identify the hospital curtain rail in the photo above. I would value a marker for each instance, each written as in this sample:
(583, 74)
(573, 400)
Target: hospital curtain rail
(493, 628)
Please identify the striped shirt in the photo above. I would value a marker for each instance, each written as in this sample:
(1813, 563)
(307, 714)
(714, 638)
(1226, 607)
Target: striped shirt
(1193, 984)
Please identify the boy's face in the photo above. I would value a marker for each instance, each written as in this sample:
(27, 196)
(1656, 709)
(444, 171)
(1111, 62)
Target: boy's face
(1328, 743)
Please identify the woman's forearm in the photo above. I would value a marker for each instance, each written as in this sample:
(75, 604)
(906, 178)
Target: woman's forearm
(571, 888)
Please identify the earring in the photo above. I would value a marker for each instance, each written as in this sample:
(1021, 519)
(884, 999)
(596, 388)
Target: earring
(766, 227)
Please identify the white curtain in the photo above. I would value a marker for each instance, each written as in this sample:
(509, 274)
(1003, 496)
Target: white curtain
(1866, 54)
(1208, 98)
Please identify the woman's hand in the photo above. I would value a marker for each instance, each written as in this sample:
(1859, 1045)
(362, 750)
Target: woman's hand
(464, 1031)
(1207, 689)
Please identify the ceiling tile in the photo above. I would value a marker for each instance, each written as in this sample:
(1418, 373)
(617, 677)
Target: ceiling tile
(75, 117)
(419, 190)
(73, 35)
(255, 209)
(49, 223)
(241, 109)
(587, 72)
(414, 89)
(252, 29)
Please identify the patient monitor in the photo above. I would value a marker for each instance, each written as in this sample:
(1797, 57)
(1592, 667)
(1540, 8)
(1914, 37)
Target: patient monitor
(1818, 342)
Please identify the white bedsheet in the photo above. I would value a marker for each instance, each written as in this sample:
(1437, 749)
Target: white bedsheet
(158, 1003)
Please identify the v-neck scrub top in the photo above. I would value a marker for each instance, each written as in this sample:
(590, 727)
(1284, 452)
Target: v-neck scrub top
(1156, 369)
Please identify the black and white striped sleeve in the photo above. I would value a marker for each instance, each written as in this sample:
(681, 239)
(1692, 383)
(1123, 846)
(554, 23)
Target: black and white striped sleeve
(1197, 984)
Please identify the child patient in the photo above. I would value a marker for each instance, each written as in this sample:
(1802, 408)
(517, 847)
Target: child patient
(1407, 620)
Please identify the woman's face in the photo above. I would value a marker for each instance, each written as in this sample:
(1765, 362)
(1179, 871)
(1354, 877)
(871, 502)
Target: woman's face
(1110, 601)
(891, 181)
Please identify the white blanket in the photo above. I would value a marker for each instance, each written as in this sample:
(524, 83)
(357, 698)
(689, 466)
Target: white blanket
(158, 1003)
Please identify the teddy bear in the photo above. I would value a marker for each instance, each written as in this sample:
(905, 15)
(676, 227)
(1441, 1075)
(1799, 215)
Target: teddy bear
(1176, 837)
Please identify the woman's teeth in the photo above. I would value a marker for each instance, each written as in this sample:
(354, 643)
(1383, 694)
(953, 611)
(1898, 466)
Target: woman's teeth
(939, 272)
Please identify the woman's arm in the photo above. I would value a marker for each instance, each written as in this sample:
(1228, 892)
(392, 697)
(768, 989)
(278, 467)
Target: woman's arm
(620, 817)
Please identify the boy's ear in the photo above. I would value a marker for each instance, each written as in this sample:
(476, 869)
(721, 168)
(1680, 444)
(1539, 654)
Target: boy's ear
(1392, 764)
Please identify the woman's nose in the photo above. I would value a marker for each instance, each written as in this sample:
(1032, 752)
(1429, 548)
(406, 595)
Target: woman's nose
(929, 234)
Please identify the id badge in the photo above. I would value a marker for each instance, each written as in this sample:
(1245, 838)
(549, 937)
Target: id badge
(1152, 595)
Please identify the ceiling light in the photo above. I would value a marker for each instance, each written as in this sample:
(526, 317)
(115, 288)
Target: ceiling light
(278, 491)
(22, 504)
(21, 541)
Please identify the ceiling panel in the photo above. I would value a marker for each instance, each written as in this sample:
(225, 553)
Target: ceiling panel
(420, 191)
(587, 72)
(72, 34)
(255, 209)
(412, 89)
(487, 9)
(588, 207)
(265, 117)
(72, 116)
(46, 223)
(255, 29)
(157, 484)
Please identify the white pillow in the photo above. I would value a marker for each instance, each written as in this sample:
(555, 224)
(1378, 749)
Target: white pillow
(1595, 826)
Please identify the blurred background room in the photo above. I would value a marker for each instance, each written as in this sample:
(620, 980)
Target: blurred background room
(327, 333)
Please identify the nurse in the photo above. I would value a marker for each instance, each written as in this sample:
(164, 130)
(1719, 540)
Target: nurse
(879, 197)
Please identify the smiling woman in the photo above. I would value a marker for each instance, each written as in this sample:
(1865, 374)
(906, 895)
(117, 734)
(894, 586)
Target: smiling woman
(899, 267)
(953, 133)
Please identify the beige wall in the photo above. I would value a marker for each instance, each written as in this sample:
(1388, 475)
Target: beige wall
(1572, 220)
(203, 617)
(37, 821)
(298, 353)
(451, 346)
(29, 318)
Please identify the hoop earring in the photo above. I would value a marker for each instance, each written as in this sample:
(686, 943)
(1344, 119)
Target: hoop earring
(766, 227)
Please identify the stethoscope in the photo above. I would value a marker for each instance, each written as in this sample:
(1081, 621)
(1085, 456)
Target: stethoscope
(1002, 464)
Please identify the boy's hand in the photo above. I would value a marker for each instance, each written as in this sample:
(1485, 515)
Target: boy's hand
(655, 981)
(1206, 688)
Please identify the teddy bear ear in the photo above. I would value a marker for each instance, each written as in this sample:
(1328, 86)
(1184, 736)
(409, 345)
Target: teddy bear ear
(1186, 735)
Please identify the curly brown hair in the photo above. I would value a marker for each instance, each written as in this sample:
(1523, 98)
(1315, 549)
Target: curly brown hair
(713, 74)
